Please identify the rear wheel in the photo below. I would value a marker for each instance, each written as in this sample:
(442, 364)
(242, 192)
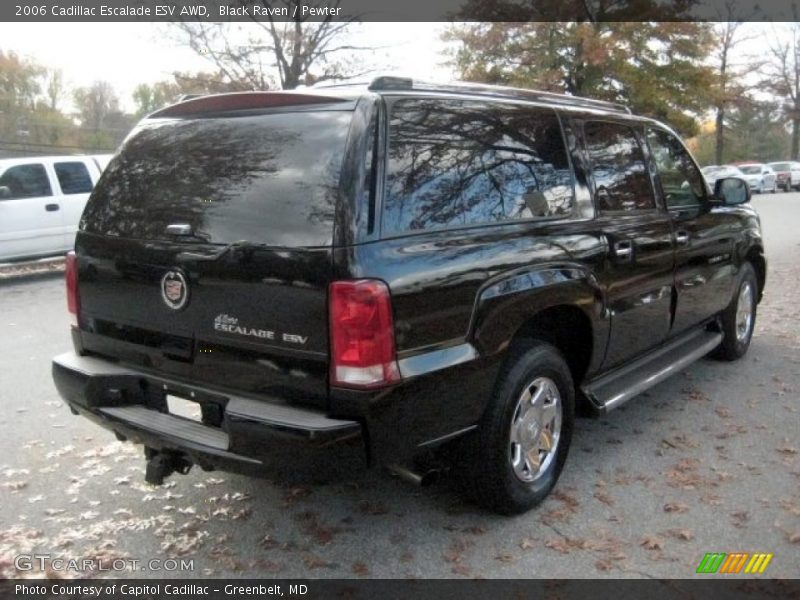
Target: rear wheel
(739, 319)
(524, 437)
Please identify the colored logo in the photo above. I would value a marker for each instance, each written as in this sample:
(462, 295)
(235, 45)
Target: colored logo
(734, 563)
(174, 290)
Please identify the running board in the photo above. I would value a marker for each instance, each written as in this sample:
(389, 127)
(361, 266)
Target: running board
(617, 387)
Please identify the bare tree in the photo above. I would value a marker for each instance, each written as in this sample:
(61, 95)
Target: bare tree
(731, 85)
(95, 103)
(731, 88)
(783, 78)
(56, 88)
(302, 51)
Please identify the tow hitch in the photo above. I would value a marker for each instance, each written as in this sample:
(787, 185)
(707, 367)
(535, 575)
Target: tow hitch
(162, 464)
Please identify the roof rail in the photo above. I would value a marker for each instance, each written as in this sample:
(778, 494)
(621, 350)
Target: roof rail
(385, 83)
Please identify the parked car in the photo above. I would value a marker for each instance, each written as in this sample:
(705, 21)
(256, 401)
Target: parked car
(394, 268)
(788, 174)
(41, 201)
(714, 172)
(760, 177)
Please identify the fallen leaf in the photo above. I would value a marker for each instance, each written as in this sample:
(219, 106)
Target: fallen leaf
(676, 507)
(603, 565)
(360, 569)
(476, 529)
(740, 517)
(558, 544)
(505, 557)
(682, 534)
(527, 544)
(652, 542)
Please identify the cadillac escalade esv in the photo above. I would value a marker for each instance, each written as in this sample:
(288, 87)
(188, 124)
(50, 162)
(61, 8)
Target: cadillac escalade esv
(393, 268)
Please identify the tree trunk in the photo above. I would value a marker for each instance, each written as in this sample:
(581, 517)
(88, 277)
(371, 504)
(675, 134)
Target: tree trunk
(720, 134)
(795, 138)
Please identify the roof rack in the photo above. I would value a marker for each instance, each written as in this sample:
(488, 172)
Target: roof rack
(388, 83)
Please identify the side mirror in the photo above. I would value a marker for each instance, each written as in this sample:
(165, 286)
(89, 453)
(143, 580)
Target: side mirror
(732, 191)
(5, 192)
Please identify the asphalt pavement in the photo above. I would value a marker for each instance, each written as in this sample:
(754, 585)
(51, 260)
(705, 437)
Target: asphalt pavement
(705, 462)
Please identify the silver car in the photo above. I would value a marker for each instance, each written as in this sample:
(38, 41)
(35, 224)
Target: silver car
(760, 177)
(714, 172)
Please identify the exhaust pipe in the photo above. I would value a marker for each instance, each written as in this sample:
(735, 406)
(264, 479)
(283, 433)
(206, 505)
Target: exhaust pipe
(420, 479)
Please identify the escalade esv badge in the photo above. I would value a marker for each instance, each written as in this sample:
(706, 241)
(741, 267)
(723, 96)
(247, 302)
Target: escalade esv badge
(174, 290)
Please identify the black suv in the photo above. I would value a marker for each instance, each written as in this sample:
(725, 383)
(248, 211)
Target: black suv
(396, 267)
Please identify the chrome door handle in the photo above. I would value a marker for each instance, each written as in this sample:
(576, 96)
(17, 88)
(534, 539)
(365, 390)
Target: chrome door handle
(623, 250)
(179, 229)
(682, 237)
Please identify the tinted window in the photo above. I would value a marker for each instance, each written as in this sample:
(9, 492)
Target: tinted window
(457, 163)
(25, 181)
(621, 179)
(73, 177)
(270, 179)
(681, 181)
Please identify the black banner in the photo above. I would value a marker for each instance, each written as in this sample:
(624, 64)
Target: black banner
(398, 10)
(732, 588)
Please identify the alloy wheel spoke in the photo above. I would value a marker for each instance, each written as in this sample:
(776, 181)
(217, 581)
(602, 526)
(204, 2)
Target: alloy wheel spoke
(533, 460)
(546, 440)
(549, 412)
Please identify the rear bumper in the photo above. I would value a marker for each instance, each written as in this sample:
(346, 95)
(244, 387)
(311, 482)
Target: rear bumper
(238, 434)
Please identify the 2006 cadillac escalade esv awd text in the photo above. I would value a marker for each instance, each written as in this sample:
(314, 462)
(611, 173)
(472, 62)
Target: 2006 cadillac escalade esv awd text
(394, 268)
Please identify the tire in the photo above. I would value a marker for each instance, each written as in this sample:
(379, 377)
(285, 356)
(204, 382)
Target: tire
(534, 370)
(737, 329)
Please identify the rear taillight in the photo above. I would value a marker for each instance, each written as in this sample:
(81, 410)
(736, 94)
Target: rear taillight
(362, 334)
(73, 303)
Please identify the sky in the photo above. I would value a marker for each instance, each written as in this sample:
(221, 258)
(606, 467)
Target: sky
(127, 54)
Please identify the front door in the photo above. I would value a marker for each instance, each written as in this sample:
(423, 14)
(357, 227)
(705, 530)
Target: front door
(704, 236)
(639, 268)
(30, 216)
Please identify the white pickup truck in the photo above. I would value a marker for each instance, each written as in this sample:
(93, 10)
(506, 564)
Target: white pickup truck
(41, 202)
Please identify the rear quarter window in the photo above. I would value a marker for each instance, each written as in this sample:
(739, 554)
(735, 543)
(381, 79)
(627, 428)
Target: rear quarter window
(456, 163)
(270, 179)
(73, 177)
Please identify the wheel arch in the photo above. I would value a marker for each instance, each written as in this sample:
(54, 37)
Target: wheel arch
(564, 307)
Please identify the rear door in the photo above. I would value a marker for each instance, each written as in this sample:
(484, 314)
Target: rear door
(704, 236)
(638, 273)
(30, 216)
(205, 249)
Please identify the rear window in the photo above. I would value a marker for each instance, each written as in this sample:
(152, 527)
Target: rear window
(270, 179)
(73, 177)
(780, 166)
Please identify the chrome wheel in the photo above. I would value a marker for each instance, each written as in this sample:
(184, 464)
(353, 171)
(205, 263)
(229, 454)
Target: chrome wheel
(744, 312)
(535, 429)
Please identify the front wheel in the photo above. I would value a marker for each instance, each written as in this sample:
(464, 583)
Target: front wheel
(739, 318)
(524, 437)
